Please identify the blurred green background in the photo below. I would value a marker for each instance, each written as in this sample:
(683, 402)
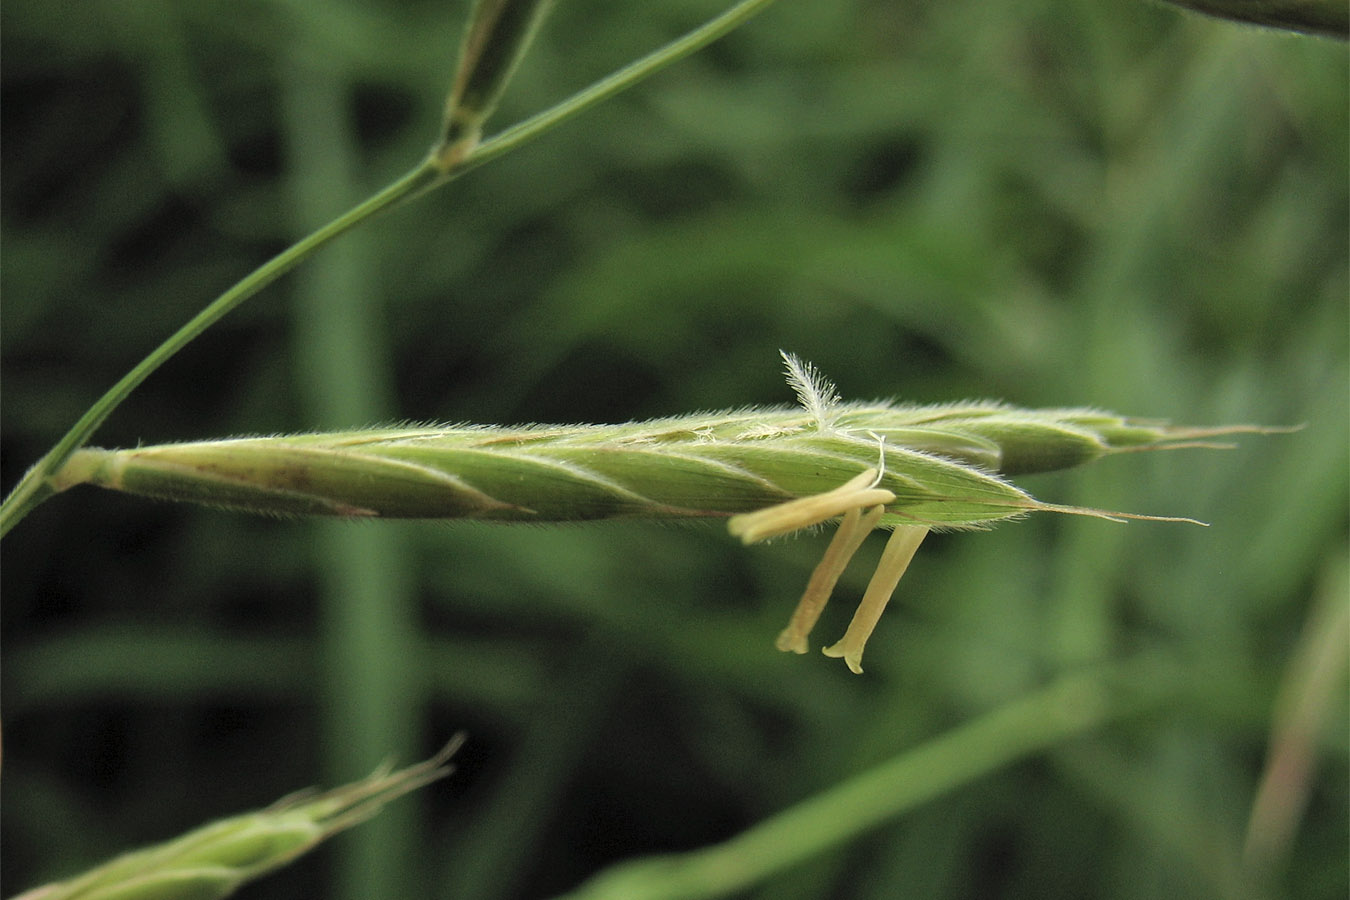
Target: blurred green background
(1075, 202)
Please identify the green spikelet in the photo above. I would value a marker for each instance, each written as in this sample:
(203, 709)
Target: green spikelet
(769, 471)
(945, 465)
(216, 859)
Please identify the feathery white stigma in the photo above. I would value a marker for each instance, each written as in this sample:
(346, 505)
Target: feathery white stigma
(816, 393)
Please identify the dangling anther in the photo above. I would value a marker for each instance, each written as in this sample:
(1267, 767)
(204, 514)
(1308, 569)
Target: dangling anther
(859, 492)
(862, 504)
(853, 530)
(900, 548)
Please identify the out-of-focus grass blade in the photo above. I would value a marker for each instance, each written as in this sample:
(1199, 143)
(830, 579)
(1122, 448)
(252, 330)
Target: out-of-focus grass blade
(1329, 17)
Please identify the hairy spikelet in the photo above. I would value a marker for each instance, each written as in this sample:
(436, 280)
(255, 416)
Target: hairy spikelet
(946, 465)
(769, 470)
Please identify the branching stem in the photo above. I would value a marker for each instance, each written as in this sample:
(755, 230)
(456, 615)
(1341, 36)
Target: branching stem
(36, 484)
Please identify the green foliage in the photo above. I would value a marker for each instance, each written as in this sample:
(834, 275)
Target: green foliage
(1057, 204)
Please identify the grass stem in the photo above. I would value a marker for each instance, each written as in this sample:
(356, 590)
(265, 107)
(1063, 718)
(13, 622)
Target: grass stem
(36, 486)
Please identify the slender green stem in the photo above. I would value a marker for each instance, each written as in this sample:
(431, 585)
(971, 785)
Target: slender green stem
(36, 485)
(613, 84)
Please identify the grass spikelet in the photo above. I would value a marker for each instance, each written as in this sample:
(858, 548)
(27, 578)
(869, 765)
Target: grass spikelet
(214, 860)
(944, 466)
(769, 470)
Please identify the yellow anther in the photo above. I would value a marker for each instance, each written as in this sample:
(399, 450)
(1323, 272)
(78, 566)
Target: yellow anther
(900, 548)
(853, 530)
(859, 492)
